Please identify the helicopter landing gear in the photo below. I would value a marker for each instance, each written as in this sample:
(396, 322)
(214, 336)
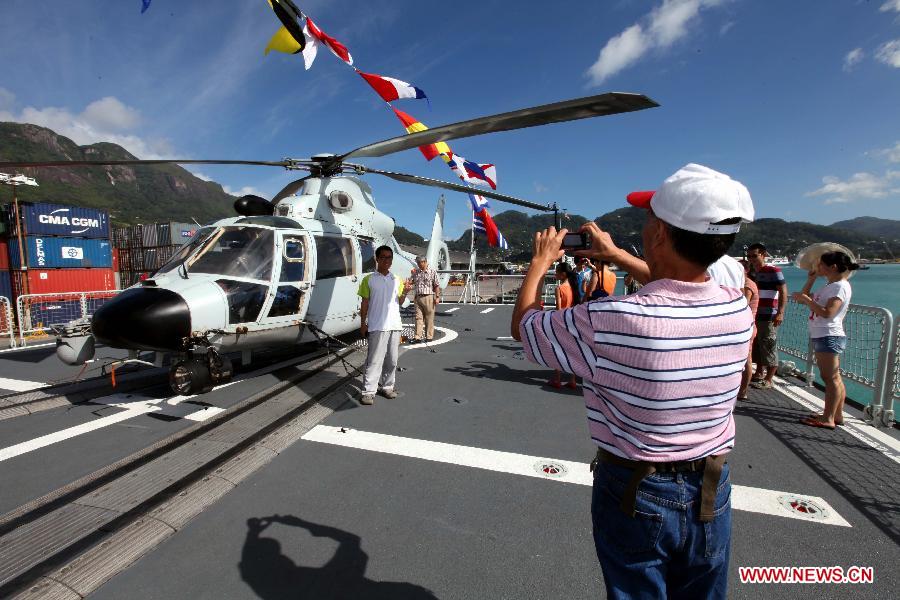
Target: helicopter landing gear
(199, 373)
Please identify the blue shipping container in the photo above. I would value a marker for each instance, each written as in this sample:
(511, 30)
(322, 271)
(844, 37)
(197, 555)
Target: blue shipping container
(61, 253)
(6, 285)
(56, 219)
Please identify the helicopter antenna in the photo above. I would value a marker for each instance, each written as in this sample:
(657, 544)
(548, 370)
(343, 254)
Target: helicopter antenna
(195, 222)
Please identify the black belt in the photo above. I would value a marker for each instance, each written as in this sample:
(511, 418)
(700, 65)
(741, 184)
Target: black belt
(710, 466)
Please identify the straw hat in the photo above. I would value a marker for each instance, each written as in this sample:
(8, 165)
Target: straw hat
(808, 258)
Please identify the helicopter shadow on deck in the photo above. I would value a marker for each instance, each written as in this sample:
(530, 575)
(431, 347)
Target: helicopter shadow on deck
(855, 470)
(272, 575)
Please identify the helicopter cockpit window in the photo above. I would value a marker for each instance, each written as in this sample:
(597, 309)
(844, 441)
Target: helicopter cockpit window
(245, 300)
(334, 257)
(367, 254)
(292, 260)
(187, 249)
(236, 251)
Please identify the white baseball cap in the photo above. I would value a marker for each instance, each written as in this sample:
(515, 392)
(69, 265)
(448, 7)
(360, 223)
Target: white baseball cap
(697, 197)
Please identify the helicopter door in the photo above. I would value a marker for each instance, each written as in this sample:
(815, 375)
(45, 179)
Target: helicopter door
(292, 284)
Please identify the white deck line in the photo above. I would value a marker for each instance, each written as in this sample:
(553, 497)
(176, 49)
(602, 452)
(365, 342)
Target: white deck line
(858, 428)
(20, 348)
(133, 405)
(487, 310)
(454, 309)
(20, 385)
(743, 498)
(449, 336)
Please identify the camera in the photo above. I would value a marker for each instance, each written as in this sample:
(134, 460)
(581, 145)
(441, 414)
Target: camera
(576, 241)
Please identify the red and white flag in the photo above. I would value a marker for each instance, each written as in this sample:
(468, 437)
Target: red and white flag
(337, 48)
(391, 89)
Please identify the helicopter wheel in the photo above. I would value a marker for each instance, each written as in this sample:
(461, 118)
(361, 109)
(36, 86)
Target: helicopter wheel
(188, 377)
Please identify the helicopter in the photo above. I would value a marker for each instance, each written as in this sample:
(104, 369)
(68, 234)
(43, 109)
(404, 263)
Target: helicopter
(285, 271)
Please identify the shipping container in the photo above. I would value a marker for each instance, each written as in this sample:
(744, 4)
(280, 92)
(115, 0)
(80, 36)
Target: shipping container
(62, 253)
(149, 235)
(4, 255)
(56, 281)
(176, 234)
(42, 219)
(115, 259)
(6, 286)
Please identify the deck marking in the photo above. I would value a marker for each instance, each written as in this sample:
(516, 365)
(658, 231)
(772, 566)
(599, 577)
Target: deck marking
(858, 428)
(454, 309)
(487, 310)
(204, 413)
(20, 385)
(449, 336)
(743, 498)
(133, 405)
(28, 347)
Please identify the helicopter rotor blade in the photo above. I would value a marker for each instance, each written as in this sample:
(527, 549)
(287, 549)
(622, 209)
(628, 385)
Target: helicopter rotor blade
(569, 110)
(287, 164)
(290, 189)
(458, 188)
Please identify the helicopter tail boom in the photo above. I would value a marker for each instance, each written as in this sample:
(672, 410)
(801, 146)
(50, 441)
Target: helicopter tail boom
(438, 254)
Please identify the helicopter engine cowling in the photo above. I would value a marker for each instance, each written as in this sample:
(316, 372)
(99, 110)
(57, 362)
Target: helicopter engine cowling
(253, 206)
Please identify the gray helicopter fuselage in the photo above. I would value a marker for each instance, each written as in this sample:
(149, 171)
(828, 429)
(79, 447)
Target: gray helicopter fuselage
(249, 282)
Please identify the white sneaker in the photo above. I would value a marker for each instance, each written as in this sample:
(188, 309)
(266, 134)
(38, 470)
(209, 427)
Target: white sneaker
(389, 394)
(367, 399)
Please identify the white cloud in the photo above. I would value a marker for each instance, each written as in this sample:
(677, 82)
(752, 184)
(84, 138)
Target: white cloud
(104, 120)
(247, 189)
(540, 188)
(890, 5)
(852, 59)
(889, 53)
(859, 186)
(892, 154)
(726, 27)
(665, 25)
(201, 176)
(618, 53)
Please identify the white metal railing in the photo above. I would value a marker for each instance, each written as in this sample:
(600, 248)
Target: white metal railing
(7, 328)
(870, 358)
(39, 313)
(487, 288)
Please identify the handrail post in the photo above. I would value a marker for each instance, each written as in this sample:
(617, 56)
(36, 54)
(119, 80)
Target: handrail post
(810, 364)
(880, 415)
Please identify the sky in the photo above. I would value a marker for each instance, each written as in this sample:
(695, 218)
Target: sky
(800, 100)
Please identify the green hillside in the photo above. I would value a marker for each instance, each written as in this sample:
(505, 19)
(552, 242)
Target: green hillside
(145, 193)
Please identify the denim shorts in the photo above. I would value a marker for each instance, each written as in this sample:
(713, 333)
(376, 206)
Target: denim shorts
(831, 344)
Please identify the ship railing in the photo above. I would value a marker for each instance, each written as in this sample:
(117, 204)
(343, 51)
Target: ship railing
(7, 329)
(38, 314)
(870, 358)
(477, 287)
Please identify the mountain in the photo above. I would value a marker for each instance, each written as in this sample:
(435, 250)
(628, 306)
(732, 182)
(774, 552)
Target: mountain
(130, 193)
(408, 238)
(889, 229)
(624, 225)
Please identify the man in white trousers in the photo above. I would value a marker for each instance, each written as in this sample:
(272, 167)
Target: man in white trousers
(381, 294)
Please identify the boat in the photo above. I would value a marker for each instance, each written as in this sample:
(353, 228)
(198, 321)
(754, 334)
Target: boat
(779, 261)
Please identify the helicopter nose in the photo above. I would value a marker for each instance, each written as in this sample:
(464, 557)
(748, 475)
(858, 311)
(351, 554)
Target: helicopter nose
(143, 318)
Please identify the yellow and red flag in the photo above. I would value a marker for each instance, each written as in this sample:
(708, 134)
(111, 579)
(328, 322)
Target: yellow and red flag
(413, 125)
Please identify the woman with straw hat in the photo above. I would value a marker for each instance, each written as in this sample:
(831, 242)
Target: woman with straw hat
(826, 328)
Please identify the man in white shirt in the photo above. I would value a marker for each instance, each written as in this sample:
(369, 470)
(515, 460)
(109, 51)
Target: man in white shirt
(727, 272)
(381, 294)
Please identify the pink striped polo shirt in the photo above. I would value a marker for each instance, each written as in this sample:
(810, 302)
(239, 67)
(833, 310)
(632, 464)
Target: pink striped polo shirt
(661, 367)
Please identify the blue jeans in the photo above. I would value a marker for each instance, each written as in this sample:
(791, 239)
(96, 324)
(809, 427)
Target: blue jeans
(664, 551)
(831, 344)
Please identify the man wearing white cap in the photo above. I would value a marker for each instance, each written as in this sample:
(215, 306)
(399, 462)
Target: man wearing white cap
(661, 371)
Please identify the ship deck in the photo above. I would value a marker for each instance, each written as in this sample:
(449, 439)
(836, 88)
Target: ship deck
(473, 483)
